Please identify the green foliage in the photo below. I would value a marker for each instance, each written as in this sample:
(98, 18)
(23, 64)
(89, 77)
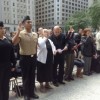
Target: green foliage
(85, 18)
(78, 20)
(94, 12)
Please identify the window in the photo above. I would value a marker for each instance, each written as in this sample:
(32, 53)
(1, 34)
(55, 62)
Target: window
(78, 5)
(73, 4)
(66, 10)
(62, 14)
(7, 9)
(45, 15)
(69, 3)
(66, 2)
(69, 11)
(14, 21)
(5, 20)
(66, 6)
(73, 8)
(13, 10)
(48, 15)
(7, 3)
(4, 8)
(13, 4)
(14, 15)
(14, 28)
(62, 9)
(62, 1)
(62, 18)
(8, 21)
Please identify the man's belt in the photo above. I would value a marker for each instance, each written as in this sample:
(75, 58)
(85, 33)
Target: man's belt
(28, 55)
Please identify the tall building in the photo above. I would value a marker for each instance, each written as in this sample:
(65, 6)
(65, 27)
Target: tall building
(56, 12)
(13, 11)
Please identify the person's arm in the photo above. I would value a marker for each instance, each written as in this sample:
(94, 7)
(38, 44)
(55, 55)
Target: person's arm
(16, 38)
(65, 48)
(42, 42)
(53, 47)
(65, 44)
(13, 60)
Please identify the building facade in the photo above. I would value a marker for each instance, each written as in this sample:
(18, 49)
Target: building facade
(56, 12)
(13, 11)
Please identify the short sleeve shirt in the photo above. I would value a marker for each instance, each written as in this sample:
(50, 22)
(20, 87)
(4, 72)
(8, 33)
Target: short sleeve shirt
(28, 44)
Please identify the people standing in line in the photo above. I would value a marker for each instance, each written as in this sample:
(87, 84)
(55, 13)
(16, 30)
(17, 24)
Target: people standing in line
(45, 54)
(88, 50)
(98, 43)
(7, 63)
(28, 46)
(58, 67)
(70, 54)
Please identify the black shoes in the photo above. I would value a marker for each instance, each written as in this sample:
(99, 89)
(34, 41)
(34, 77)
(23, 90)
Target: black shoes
(32, 97)
(87, 74)
(35, 96)
(69, 79)
(56, 84)
(61, 82)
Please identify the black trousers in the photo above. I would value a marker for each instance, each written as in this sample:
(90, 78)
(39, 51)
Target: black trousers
(28, 65)
(4, 81)
(58, 68)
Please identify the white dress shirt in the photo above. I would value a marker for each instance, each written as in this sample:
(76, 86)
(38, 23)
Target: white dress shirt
(42, 50)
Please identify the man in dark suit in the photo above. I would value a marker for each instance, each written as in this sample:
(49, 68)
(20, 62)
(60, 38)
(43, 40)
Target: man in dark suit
(59, 41)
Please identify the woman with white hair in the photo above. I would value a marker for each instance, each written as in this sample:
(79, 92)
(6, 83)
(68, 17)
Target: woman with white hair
(45, 52)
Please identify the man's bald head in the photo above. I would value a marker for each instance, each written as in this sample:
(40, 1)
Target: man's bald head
(56, 30)
(56, 27)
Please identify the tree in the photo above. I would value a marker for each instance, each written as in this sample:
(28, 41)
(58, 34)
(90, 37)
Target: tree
(79, 20)
(94, 12)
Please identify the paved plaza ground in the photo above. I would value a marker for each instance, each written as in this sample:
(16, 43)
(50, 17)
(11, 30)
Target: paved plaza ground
(87, 88)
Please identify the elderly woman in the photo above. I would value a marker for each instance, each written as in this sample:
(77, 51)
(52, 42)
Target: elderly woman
(88, 50)
(7, 59)
(45, 52)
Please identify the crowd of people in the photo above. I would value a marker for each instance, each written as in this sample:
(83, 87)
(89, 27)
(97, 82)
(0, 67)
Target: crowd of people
(49, 51)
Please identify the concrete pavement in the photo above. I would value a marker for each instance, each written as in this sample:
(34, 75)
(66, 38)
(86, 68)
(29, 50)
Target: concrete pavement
(87, 88)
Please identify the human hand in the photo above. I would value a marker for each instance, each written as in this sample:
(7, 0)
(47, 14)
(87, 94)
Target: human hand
(13, 69)
(59, 51)
(74, 48)
(20, 27)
